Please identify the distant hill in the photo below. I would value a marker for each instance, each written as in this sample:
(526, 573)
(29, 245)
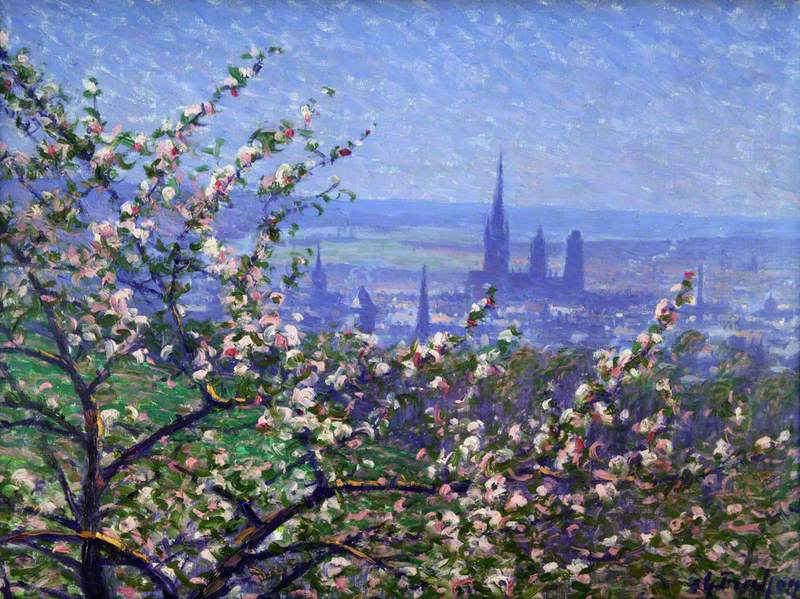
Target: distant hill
(391, 214)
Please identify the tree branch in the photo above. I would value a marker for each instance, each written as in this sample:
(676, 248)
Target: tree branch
(253, 536)
(40, 423)
(38, 354)
(64, 483)
(24, 401)
(138, 450)
(46, 592)
(119, 554)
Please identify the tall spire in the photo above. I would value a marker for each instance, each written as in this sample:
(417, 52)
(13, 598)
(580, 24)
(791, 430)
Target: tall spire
(423, 328)
(497, 200)
(319, 279)
(495, 237)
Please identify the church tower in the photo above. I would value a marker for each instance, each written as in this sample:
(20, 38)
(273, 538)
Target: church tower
(495, 237)
(573, 263)
(538, 260)
(423, 328)
(366, 311)
(319, 280)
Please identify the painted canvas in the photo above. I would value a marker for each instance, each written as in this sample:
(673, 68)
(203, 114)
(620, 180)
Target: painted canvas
(399, 299)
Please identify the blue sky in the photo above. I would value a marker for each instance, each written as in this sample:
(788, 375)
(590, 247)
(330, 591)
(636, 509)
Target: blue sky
(677, 107)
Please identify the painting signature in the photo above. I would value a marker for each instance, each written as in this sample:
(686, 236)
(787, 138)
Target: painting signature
(766, 587)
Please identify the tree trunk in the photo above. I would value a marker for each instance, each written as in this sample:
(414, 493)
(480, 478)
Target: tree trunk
(93, 582)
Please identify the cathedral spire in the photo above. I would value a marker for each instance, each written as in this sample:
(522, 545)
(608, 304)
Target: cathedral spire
(423, 328)
(495, 238)
(318, 277)
(498, 213)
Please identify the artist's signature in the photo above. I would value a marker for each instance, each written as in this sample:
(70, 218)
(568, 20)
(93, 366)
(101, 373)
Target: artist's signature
(766, 586)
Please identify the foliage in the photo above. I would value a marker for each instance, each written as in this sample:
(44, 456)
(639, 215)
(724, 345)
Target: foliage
(155, 451)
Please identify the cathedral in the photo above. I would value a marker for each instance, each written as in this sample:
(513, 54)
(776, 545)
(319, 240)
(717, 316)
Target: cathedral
(537, 281)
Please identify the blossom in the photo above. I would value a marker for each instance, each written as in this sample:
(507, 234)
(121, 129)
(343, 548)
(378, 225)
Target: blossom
(550, 567)
(609, 541)
(382, 368)
(618, 465)
(471, 444)
(90, 86)
(168, 193)
(3, 39)
(664, 447)
(305, 396)
(211, 247)
(763, 443)
(582, 392)
(516, 500)
(305, 112)
(246, 154)
(192, 110)
(648, 457)
(722, 449)
(606, 492)
(22, 477)
(577, 566)
(283, 176)
(733, 508)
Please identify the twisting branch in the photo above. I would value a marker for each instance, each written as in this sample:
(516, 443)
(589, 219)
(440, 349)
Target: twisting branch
(143, 447)
(55, 328)
(297, 572)
(252, 537)
(51, 461)
(118, 553)
(244, 506)
(5, 589)
(34, 422)
(23, 401)
(43, 591)
(320, 550)
(33, 353)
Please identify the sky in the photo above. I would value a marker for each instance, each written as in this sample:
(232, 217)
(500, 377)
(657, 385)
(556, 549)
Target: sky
(680, 107)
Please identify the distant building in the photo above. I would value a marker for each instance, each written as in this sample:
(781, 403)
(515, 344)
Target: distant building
(538, 280)
(323, 308)
(538, 261)
(770, 309)
(319, 280)
(423, 328)
(365, 310)
(702, 306)
(573, 264)
(495, 236)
